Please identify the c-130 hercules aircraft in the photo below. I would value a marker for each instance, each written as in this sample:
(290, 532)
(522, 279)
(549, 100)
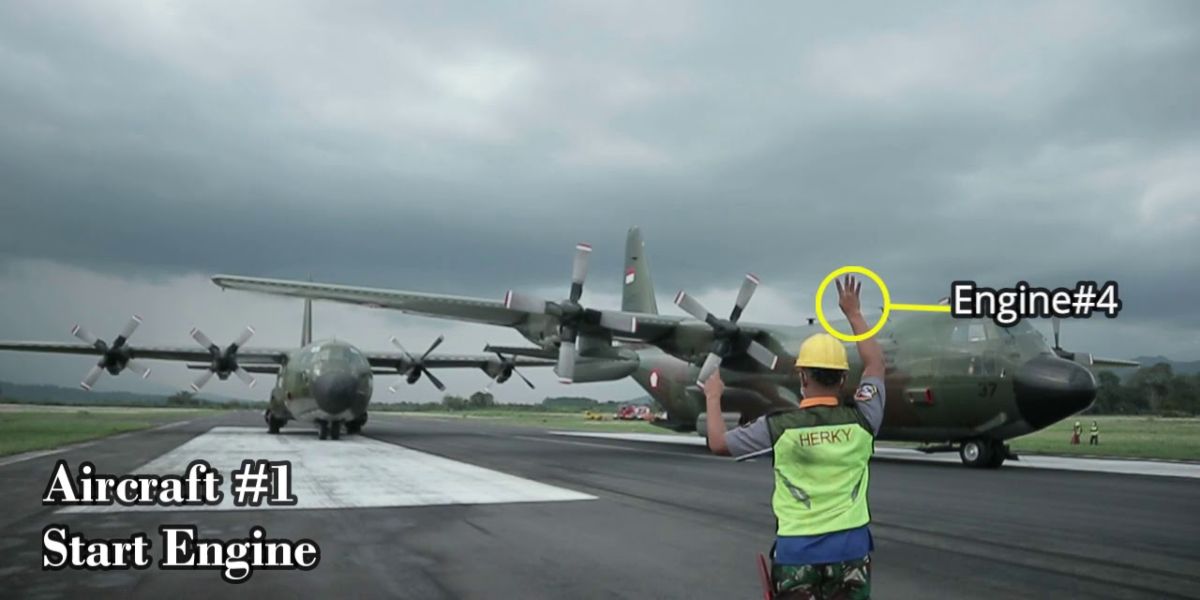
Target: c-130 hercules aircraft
(953, 384)
(327, 382)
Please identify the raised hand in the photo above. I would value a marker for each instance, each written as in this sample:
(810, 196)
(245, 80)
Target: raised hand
(848, 289)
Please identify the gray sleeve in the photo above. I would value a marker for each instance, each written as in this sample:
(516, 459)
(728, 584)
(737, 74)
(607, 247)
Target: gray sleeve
(751, 437)
(869, 398)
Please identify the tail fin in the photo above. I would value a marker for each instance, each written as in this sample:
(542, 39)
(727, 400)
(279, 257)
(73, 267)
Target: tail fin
(638, 293)
(306, 332)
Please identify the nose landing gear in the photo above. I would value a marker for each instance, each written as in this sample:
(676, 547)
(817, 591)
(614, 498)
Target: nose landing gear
(330, 429)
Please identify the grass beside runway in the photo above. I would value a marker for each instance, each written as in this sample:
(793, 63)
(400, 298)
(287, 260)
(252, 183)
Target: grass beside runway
(547, 420)
(39, 428)
(1122, 437)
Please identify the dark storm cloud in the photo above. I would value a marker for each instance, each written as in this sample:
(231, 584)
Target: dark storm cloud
(466, 149)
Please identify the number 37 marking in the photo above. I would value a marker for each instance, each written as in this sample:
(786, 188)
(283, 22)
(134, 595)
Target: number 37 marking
(987, 389)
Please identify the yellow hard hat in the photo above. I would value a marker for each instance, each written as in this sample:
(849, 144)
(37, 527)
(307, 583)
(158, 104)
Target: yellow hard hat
(822, 351)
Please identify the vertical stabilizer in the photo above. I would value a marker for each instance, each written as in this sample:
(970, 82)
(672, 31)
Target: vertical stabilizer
(306, 332)
(638, 295)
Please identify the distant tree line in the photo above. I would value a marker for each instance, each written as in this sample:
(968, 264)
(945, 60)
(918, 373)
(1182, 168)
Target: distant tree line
(1154, 389)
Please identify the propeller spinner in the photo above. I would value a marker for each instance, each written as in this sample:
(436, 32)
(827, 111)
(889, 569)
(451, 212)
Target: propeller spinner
(726, 333)
(571, 314)
(113, 358)
(507, 368)
(223, 362)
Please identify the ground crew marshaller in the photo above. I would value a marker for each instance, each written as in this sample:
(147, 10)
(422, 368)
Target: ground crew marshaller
(821, 451)
(1076, 431)
(1094, 434)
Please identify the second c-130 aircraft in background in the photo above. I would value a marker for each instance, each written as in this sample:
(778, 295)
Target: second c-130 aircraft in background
(327, 382)
(952, 384)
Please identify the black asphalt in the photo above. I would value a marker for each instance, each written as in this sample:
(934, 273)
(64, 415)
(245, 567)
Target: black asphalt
(669, 522)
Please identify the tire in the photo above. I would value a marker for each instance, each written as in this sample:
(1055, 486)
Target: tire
(976, 453)
(999, 453)
(324, 431)
(335, 430)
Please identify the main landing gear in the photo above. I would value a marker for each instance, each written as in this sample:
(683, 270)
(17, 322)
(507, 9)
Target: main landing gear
(981, 453)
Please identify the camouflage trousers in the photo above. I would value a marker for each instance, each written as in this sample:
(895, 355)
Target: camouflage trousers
(847, 580)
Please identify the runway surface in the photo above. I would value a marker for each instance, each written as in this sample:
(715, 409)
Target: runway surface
(496, 511)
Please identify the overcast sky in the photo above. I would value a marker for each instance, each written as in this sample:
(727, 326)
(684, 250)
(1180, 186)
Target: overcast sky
(465, 148)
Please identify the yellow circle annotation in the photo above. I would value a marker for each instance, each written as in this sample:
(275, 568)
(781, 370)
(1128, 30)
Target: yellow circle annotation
(887, 303)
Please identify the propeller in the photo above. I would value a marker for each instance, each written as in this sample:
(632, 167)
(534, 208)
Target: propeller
(571, 314)
(727, 336)
(113, 358)
(414, 367)
(508, 368)
(1056, 323)
(223, 362)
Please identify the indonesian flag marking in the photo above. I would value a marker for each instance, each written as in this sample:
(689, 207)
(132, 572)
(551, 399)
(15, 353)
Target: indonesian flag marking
(629, 275)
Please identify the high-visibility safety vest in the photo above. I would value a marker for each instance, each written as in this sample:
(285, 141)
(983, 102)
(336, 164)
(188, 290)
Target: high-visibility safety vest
(822, 452)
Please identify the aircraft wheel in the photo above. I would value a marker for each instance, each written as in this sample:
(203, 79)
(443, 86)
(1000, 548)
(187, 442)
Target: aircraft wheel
(272, 426)
(975, 453)
(335, 430)
(324, 431)
(999, 453)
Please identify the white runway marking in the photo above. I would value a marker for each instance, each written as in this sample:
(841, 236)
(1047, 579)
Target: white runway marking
(1061, 463)
(354, 472)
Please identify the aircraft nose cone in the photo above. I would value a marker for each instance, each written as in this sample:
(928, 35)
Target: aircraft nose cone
(335, 392)
(1049, 389)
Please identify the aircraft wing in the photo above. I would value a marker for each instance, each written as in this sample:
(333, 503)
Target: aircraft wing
(1098, 361)
(436, 305)
(688, 339)
(458, 308)
(179, 353)
(400, 359)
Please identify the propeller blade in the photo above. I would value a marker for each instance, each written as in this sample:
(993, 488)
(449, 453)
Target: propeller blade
(397, 343)
(691, 306)
(710, 366)
(432, 347)
(131, 326)
(202, 339)
(523, 378)
(84, 335)
(245, 337)
(760, 353)
(744, 294)
(579, 270)
(89, 380)
(437, 383)
(1056, 323)
(618, 322)
(524, 303)
(138, 368)
(565, 369)
(201, 380)
(392, 388)
(245, 377)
